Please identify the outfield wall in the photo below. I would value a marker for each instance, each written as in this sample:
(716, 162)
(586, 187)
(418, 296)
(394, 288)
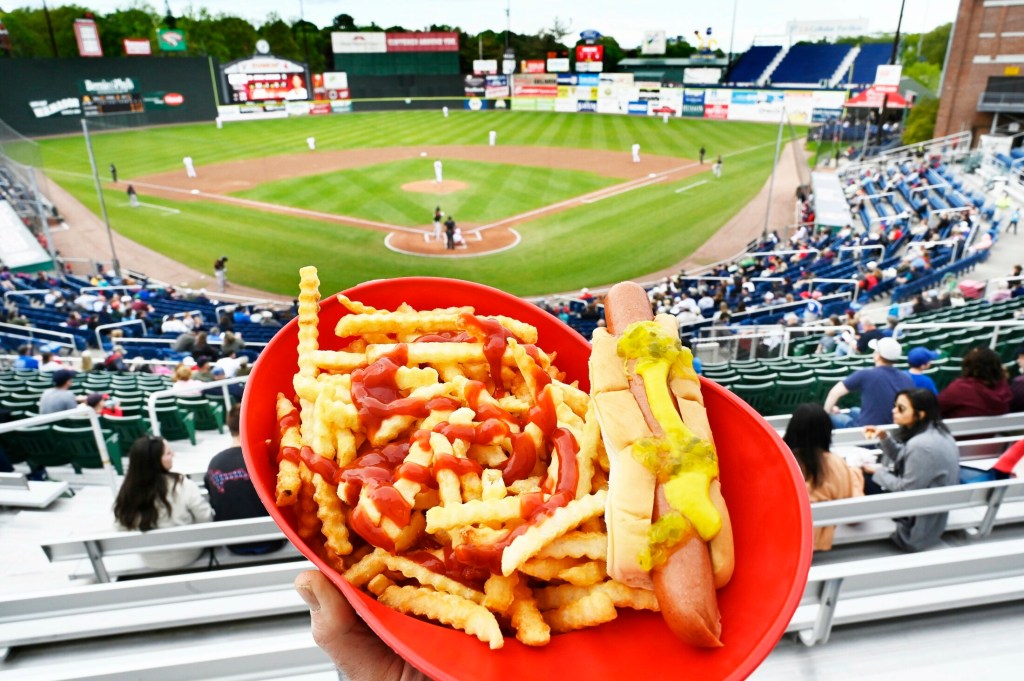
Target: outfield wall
(51, 96)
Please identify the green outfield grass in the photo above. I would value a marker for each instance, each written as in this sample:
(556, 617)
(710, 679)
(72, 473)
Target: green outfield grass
(494, 191)
(627, 236)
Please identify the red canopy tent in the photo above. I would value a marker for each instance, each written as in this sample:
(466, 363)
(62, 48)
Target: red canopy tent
(873, 97)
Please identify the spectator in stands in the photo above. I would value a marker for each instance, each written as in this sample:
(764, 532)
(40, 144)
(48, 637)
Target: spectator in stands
(185, 341)
(231, 343)
(172, 324)
(921, 454)
(25, 359)
(232, 494)
(152, 496)
(50, 363)
(868, 333)
(809, 436)
(183, 378)
(878, 387)
(980, 390)
(1017, 384)
(202, 347)
(115, 360)
(59, 397)
(920, 360)
(104, 405)
(138, 365)
(203, 370)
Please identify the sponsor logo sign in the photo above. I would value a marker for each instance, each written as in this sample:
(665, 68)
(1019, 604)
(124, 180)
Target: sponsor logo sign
(485, 67)
(171, 40)
(558, 64)
(68, 106)
(716, 111)
(496, 86)
(358, 43)
(135, 47)
(654, 42)
(589, 53)
(174, 99)
(88, 38)
(887, 78)
(107, 86)
(586, 106)
(590, 35)
(421, 42)
(637, 108)
(474, 86)
(532, 66)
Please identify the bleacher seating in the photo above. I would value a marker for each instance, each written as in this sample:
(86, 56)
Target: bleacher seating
(752, 64)
(809, 64)
(871, 56)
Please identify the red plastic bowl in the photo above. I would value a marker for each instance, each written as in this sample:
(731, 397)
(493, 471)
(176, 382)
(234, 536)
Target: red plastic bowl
(762, 485)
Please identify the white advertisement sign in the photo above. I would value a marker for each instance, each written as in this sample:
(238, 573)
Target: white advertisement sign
(347, 43)
(654, 42)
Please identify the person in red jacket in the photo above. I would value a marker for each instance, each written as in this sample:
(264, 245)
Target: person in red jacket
(980, 390)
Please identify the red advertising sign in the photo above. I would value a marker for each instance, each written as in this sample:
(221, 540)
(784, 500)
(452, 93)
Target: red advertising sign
(590, 53)
(532, 66)
(137, 47)
(717, 111)
(88, 37)
(422, 42)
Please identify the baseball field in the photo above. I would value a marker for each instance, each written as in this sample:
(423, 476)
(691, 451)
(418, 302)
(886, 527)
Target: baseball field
(557, 204)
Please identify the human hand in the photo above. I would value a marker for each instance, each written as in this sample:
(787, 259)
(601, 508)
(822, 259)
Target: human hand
(353, 647)
(870, 468)
(874, 433)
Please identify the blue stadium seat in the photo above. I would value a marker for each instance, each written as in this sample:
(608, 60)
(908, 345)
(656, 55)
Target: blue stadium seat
(752, 63)
(810, 64)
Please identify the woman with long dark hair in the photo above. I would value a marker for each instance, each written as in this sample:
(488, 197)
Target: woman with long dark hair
(920, 454)
(152, 496)
(981, 389)
(809, 436)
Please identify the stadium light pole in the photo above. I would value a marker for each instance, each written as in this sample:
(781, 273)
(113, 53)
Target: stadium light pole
(103, 204)
(508, 21)
(732, 31)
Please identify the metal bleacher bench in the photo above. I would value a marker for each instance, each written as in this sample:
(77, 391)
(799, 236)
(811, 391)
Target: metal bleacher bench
(150, 604)
(114, 553)
(858, 589)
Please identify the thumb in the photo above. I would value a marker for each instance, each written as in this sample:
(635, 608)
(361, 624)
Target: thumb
(331, 615)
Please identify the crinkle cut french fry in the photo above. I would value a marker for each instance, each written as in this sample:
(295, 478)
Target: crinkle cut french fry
(473, 513)
(591, 572)
(288, 480)
(427, 321)
(623, 596)
(309, 313)
(530, 542)
(452, 610)
(527, 620)
(332, 516)
(499, 591)
(307, 519)
(591, 610)
(426, 577)
(592, 545)
(371, 565)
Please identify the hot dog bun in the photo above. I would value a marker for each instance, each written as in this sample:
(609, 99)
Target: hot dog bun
(683, 572)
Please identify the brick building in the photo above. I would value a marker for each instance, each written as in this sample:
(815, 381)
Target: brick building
(983, 83)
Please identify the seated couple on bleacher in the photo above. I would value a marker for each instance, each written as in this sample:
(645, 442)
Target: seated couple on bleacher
(920, 454)
(152, 496)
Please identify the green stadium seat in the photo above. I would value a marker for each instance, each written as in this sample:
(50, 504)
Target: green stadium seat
(176, 423)
(80, 443)
(790, 393)
(128, 428)
(208, 415)
(757, 395)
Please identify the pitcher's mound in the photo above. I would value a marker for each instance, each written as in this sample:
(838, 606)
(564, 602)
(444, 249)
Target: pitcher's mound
(430, 187)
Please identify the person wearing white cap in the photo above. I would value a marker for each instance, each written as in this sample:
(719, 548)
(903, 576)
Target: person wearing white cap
(878, 387)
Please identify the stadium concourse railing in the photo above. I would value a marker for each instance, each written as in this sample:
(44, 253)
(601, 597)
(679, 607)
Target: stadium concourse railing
(996, 327)
(31, 334)
(709, 348)
(79, 412)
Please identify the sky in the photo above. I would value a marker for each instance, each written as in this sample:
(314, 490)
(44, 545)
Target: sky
(626, 21)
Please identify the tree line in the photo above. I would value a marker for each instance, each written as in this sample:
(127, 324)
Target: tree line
(33, 34)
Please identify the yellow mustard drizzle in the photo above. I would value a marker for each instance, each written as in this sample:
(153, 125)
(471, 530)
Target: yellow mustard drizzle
(684, 463)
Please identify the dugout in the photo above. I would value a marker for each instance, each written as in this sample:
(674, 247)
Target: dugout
(51, 96)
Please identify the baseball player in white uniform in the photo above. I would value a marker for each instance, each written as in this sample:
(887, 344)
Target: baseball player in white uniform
(190, 168)
(636, 153)
(438, 172)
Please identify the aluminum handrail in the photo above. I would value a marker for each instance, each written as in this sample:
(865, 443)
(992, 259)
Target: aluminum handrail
(27, 292)
(190, 391)
(33, 331)
(113, 325)
(81, 411)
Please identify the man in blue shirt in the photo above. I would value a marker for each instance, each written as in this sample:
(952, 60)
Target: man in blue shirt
(919, 359)
(878, 387)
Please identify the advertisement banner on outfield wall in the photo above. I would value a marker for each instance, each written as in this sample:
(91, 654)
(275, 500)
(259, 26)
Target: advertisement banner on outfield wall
(702, 76)
(474, 86)
(422, 42)
(670, 101)
(756, 105)
(615, 91)
(361, 43)
(590, 58)
(535, 85)
(485, 67)
(693, 103)
(88, 37)
(496, 87)
(532, 66)
(558, 64)
(137, 47)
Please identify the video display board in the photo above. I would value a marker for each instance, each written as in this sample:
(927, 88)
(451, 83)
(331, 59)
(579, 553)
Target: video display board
(264, 79)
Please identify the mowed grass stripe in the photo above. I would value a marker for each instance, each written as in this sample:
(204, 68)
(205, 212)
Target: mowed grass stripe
(494, 191)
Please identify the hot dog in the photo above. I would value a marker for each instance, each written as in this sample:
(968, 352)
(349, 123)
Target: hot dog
(668, 526)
